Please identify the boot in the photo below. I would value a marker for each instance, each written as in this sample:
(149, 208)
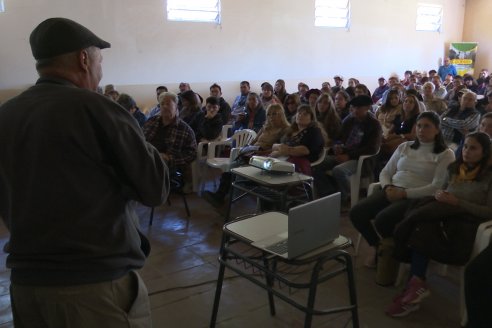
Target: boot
(387, 266)
(216, 199)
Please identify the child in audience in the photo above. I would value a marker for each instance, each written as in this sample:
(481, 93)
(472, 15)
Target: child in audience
(443, 227)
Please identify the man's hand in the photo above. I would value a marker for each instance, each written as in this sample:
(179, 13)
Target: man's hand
(395, 193)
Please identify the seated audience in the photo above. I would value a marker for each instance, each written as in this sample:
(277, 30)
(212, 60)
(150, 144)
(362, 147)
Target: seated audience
(352, 83)
(486, 124)
(172, 137)
(433, 103)
(303, 142)
(327, 116)
(457, 85)
(274, 128)
(416, 169)
(266, 95)
(209, 123)
(388, 111)
(457, 122)
(157, 109)
(224, 108)
(470, 83)
(361, 135)
(443, 227)
(183, 87)
(302, 88)
(338, 84)
(240, 101)
(439, 90)
(361, 89)
(484, 105)
(130, 105)
(312, 96)
(190, 109)
(326, 88)
(380, 90)
(403, 129)
(341, 104)
(253, 116)
(393, 81)
(280, 91)
(292, 102)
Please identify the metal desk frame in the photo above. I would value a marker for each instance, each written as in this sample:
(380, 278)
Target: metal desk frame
(265, 185)
(260, 268)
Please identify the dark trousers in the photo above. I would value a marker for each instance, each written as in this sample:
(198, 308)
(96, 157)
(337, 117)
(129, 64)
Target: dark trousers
(478, 290)
(376, 213)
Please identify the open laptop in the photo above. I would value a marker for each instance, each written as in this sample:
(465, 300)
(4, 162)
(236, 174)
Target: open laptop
(310, 226)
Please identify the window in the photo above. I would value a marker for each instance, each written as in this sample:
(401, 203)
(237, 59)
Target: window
(2, 7)
(332, 13)
(429, 17)
(194, 10)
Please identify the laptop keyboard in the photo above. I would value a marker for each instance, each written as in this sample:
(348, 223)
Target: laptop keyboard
(279, 248)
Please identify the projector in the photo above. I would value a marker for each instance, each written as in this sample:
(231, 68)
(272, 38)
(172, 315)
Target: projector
(273, 165)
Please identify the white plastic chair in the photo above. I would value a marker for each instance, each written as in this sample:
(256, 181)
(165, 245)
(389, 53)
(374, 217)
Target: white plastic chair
(370, 189)
(321, 157)
(239, 139)
(357, 180)
(198, 166)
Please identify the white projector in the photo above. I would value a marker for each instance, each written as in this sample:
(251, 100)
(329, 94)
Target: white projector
(273, 165)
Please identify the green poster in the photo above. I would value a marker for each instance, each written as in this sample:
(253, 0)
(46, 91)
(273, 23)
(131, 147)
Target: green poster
(462, 56)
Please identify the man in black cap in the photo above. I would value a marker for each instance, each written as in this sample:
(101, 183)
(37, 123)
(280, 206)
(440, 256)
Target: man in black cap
(71, 164)
(361, 135)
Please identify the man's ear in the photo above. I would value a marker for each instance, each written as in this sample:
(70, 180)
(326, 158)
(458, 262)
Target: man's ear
(84, 60)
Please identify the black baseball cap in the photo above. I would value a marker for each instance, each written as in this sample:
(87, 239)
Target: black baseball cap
(58, 36)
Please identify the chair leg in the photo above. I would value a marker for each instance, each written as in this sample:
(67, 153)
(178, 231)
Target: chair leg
(357, 244)
(186, 204)
(151, 216)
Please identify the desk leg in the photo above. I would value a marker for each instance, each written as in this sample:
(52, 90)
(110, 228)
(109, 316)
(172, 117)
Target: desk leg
(270, 282)
(220, 281)
(352, 292)
(231, 197)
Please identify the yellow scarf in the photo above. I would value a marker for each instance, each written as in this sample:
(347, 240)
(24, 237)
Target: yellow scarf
(467, 174)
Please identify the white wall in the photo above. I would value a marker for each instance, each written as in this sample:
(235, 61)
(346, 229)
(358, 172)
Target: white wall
(478, 28)
(258, 41)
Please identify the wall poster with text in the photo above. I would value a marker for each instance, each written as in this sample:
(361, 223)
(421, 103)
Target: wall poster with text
(462, 56)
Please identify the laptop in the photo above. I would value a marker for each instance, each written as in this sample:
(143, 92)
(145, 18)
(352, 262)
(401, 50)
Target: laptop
(310, 226)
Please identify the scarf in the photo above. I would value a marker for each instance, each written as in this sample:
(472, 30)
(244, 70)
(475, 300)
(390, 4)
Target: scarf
(467, 174)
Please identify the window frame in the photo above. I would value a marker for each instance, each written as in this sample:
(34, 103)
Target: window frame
(2, 6)
(421, 18)
(182, 11)
(332, 7)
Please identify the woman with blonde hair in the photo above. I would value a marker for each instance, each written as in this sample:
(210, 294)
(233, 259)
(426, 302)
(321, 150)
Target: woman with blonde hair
(272, 131)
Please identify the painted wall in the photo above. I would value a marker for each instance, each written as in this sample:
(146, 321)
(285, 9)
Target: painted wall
(478, 28)
(258, 41)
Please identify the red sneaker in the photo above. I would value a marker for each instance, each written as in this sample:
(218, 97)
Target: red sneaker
(398, 309)
(415, 292)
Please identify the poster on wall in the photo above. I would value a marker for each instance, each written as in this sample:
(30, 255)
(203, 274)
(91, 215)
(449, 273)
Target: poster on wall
(462, 56)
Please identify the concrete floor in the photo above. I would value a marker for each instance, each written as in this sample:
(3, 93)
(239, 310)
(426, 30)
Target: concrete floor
(182, 270)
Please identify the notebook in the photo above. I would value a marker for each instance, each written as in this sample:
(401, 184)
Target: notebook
(310, 226)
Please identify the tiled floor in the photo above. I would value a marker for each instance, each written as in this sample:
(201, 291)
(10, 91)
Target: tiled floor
(181, 271)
